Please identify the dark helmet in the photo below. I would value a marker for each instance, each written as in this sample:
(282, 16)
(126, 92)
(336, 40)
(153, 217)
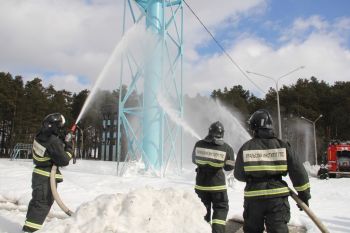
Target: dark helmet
(216, 130)
(261, 119)
(54, 122)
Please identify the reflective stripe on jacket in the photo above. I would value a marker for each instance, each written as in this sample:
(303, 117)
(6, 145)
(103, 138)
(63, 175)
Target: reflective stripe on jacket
(211, 159)
(261, 163)
(46, 173)
(49, 150)
(33, 225)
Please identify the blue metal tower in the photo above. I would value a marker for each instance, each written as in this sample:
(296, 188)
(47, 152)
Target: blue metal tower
(150, 133)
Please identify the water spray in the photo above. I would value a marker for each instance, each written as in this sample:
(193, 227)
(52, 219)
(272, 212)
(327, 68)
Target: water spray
(175, 117)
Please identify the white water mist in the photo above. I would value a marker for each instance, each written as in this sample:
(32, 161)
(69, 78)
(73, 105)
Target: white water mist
(305, 151)
(174, 116)
(200, 112)
(138, 43)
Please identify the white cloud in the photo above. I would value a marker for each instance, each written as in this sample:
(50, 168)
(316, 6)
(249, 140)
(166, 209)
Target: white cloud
(342, 23)
(314, 21)
(66, 36)
(313, 42)
(214, 14)
(322, 56)
(68, 82)
(303, 27)
(75, 38)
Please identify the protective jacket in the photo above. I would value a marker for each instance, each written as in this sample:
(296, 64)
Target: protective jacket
(262, 161)
(48, 149)
(212, 156)
(211, 159)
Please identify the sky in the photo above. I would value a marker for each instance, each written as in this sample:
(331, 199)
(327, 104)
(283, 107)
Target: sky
(103, 202)
(67, 43)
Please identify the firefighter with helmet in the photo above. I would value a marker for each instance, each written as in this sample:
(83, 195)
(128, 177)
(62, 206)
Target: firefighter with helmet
(261, 162)
(49, 147)
(212, 155)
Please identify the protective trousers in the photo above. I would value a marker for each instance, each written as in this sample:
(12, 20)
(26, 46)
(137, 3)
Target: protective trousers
(219, 202)
(273, 212)
(40, 204)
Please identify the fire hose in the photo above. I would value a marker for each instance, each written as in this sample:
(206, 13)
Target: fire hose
(53, 184)
(308, 211)
(55, 193)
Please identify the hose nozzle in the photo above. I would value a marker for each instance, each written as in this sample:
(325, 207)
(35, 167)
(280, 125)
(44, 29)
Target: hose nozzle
(73, 128)
(70, 137)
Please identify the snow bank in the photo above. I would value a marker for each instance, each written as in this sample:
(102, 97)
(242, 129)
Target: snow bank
(143, 210)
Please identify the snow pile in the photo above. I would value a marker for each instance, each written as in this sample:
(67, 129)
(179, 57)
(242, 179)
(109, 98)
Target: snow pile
(142, 210)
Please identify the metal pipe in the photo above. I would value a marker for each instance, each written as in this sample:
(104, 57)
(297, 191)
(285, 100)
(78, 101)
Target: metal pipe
(278, 112)
(152, 116)
(315, 138)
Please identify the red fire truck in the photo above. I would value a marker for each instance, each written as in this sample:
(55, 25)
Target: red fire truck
(338, 158)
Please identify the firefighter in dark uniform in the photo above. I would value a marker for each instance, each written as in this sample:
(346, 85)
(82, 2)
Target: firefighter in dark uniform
(261, 162)
(322, 173)
(49, 147)
(212, 155)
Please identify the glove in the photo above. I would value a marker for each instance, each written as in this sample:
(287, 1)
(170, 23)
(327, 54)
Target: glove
(68, 141)
(68, 137)
(302, 196)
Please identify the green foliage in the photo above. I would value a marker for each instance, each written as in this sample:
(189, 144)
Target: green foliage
(78, 102)
(23, 106)
(308, 98)
(236, 97)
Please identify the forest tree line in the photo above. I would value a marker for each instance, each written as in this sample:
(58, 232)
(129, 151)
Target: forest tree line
(307, 98)
(24, 105)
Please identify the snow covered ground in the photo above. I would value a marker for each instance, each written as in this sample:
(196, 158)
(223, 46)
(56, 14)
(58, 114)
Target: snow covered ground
(103, 202)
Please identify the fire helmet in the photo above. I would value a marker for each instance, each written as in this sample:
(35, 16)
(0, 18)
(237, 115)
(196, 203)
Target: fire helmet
(54, 122)
(261, 119)
(216, 130)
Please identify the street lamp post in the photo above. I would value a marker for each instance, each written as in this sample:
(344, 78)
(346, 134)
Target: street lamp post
(314, 125)
(277, 95)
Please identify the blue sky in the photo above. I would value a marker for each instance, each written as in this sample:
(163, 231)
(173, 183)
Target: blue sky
(313, 34)
(289, 9)
(278, 15)
(67, 42)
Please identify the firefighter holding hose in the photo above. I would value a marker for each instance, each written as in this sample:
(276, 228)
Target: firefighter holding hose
(49, 148)
(261, 162)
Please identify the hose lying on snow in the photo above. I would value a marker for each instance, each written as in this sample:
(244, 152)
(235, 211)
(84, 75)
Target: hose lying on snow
(55, 194)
